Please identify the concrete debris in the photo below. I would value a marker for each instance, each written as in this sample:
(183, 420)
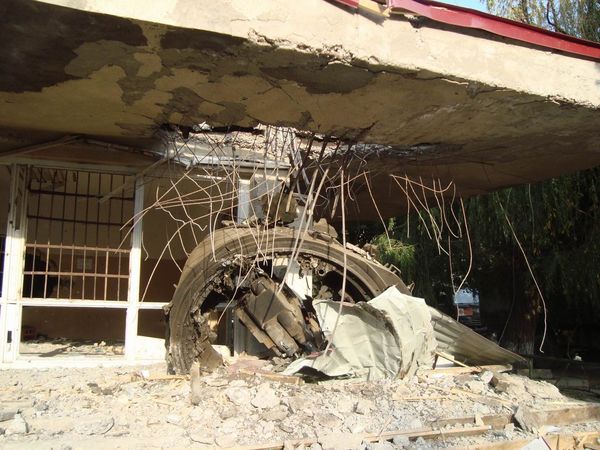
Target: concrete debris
(401, 441)
(486, 376)
(265, 397)
(238, 396)
(227, 440)
(340, 441)
(7, 414)
(173, 419)
(350, 413)
(476, 386)
(95, 426)
(17, 425)
(201, 438)
(276, 414)
(364, 406)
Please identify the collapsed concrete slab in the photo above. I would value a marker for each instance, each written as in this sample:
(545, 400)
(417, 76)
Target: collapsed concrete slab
(451, 103)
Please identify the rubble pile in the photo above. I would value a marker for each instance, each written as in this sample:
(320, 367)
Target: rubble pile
(130, 407)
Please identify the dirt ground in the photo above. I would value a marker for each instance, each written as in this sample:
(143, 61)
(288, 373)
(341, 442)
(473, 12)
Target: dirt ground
(141, 407)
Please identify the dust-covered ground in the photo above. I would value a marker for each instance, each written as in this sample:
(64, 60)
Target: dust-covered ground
(141, 407)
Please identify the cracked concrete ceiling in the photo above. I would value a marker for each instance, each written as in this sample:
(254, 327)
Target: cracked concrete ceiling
(464, 106)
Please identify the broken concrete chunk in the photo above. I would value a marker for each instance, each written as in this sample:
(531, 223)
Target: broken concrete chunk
(173, 419)
(7, 414)
(415, 424)
(525, 419)
(238, 396)
(402, 392)
(487, 376)
(401, 441)
(328, 420)
(228, 413)
(286, 428)
(364, 406)
(277, 413)
(41, 405)
(340, 441)
(543, 389)
(17, 425)
(265, 397)
(475, 386)
(227, 440)
(201, 438)
(345, 405)
(95, 426)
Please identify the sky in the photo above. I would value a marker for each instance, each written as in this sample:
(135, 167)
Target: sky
(474, 4)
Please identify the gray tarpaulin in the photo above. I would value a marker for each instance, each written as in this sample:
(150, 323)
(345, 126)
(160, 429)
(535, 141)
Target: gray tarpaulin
(390, 336)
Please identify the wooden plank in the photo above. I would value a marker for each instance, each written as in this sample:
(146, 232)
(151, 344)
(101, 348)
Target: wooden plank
(532, 419)
(425, 433)
(496, 421)
(449, 357)
(460, 431)
(460, 391)
(373, 8)
(469, 369)
(271, 376)
(562, 441)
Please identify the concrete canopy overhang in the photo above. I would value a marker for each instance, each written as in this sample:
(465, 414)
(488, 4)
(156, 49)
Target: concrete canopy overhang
(459, 105)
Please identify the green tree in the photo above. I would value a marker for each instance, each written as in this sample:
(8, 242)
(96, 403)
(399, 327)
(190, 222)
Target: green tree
(579, 18)
(556, 222)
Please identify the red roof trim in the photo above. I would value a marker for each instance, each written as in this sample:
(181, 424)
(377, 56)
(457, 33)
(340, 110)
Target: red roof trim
(351, 3)
(470, 18)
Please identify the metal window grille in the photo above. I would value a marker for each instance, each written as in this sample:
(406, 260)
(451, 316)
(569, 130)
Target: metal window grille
(78, 241)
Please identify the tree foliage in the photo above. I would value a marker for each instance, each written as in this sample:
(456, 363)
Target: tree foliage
(557, 222)
(579, 18)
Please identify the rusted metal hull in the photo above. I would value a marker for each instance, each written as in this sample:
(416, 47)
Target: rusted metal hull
(244, 252)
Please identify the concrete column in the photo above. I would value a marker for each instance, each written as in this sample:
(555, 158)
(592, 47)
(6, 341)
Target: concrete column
(135, 259)
(12, 282)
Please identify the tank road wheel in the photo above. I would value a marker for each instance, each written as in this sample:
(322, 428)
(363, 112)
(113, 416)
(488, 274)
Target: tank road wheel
(222, 260)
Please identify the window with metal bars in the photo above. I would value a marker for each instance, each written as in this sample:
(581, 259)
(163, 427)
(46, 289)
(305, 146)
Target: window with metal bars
(78, 236)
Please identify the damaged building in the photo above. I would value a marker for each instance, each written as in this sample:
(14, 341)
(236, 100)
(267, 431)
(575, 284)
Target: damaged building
(177, 180)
